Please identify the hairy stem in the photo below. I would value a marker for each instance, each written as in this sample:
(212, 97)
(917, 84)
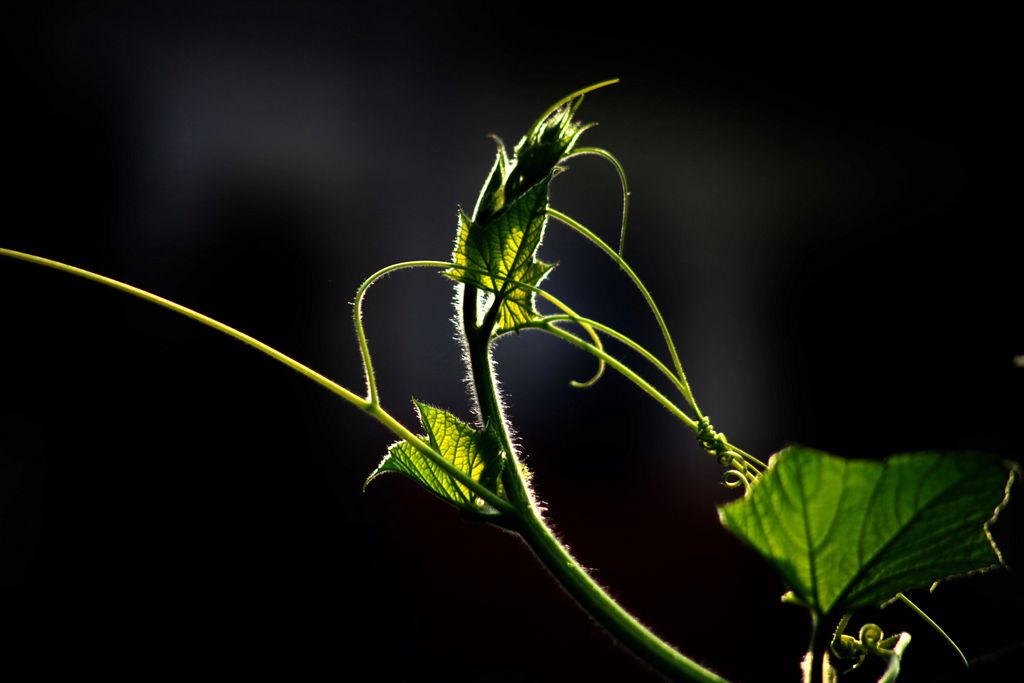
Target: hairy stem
(538, 536)
(603, 608)
(484, 383)
(817, 663)
(521, 509)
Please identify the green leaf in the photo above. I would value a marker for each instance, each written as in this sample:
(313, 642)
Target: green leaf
(474, 452)
(499, 243)
(846, 534)
(501, 254)
(536, 156)
(492, 196)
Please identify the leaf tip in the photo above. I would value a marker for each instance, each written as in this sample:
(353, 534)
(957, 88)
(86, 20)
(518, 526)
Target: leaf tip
(381, 468)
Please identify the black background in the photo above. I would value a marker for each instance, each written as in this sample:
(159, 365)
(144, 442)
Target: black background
(826, 205)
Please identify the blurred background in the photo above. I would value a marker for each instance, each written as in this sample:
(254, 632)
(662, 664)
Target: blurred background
(825, 205)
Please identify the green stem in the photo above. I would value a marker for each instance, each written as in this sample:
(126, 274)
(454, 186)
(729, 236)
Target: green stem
(816, 665)
(599, 605)
(896, 656)
(341, 391)
(492, 416)
(365, 405)
(522, 508)
(530, 524)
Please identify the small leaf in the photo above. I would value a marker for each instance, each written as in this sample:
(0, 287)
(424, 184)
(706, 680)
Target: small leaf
(539, 152)
(501, 253)
(492, 196)
(474, 452)
(536, 156)
(846, 534)
(499, 243)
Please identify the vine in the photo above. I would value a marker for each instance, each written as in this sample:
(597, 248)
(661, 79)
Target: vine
(797, 510)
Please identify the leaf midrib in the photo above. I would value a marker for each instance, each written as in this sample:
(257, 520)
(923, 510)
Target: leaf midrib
(511, 274)
(807, 534)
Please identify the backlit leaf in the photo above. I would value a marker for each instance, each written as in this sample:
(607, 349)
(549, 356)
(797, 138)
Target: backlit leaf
(846, 534)
(500, 255)
(472, 451)
(497, 246)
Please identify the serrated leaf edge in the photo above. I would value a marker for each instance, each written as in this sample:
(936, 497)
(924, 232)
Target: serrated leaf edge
(1014, 471)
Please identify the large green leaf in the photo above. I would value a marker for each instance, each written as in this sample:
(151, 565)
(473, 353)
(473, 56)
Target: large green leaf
(501, 254)
(846, 534)
(474, 452)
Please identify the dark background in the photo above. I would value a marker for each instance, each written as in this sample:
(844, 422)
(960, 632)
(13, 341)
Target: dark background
(826, 205)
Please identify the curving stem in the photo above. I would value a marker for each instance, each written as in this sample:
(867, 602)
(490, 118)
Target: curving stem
(529, 523)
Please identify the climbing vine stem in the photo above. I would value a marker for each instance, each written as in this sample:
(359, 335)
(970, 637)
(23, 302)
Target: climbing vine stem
(529, 522)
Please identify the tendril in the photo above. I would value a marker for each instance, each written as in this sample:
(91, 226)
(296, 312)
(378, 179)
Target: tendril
(603, 246)
(714, 443)
(608, 156)
(357, 318)
(938, 629)
(734, 478)
(599, 373)
(739, 471)
(870, 641)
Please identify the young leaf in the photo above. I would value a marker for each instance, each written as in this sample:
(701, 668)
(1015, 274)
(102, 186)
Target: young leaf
(535, 158)
(504, 249)
(500, 241)
(846, 534)
(474, 452)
